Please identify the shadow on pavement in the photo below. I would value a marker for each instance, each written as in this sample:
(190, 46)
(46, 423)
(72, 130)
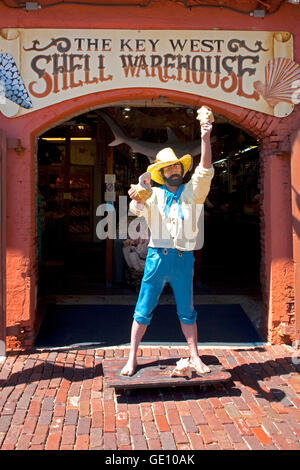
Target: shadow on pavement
(253, 374)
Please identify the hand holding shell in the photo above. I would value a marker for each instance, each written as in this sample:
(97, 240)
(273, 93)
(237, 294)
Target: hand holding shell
(205, 115)
(141, 191)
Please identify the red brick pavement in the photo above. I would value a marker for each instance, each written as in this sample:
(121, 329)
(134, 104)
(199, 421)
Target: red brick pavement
(59, 400)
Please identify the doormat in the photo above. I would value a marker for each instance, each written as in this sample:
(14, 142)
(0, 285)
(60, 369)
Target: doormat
(109, 325)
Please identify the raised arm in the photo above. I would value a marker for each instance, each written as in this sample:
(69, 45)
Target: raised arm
(206, 129)
(204, 172)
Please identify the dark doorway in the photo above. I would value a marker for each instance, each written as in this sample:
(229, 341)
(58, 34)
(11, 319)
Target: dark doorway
(73, 159)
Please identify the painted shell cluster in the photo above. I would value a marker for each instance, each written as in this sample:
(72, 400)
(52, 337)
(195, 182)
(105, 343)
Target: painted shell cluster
(11, 83)
(282, 82)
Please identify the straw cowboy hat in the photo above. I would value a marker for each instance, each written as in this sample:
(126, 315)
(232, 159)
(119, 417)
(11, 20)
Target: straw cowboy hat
(167, 157)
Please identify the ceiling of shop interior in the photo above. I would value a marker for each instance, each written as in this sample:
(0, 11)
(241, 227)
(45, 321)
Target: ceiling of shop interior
(151, 123)
(133, 116)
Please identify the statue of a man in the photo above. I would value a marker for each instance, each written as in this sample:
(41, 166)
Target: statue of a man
(170, 255)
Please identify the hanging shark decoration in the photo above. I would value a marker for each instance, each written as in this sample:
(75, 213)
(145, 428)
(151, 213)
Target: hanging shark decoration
(11, 83)
(150, 149)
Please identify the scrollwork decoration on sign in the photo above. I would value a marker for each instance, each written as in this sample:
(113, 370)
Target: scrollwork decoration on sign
(235, 44)
(54, 42)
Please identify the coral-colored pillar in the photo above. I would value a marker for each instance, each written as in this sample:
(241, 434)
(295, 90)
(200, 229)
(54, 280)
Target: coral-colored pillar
(2, 244)
(278, 246)
(21, 237)
(295, 189)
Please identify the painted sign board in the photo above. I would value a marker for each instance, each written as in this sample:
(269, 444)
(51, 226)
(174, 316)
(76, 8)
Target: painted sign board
(251, 69)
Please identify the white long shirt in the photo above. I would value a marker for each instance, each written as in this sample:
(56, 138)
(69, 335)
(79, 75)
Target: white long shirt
(172, 231)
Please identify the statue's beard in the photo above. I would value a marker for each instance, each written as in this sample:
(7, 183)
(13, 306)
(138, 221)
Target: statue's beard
(174, 180)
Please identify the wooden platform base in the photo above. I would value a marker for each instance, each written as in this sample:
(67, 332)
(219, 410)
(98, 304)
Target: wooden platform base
(152, 373)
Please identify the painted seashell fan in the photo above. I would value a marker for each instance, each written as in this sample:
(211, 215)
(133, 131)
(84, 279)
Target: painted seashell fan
(282, 82)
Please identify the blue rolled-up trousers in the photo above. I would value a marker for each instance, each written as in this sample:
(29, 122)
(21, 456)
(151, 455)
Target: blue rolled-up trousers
(167, 266)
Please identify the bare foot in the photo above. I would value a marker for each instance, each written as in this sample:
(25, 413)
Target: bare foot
(199, 366)
(129, 368)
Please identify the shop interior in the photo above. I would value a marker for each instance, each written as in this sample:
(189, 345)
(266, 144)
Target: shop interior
(73, 159)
